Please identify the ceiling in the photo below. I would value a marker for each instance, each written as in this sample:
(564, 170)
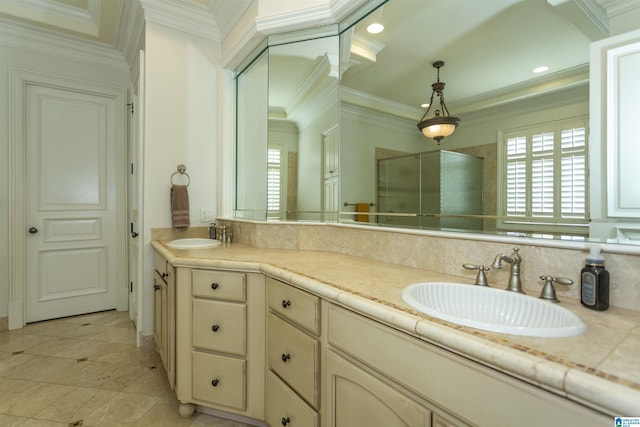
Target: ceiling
(102, 21)
(492, 44)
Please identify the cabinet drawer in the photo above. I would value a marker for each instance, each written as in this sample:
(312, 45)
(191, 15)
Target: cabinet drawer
(219, 326)
(219, 380)
(295, 357)
(285, 407)
(298, 306)
(219, 284)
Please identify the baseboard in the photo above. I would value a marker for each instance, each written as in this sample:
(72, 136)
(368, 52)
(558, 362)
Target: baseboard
(4, 324)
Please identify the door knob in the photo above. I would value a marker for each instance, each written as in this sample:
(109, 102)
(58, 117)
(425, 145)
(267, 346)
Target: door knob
(33, 230)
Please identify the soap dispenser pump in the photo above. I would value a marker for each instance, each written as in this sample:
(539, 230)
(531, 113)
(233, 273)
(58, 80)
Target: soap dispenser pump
(594, 282)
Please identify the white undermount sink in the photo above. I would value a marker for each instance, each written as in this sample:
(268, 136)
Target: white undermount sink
(493, 310)
(193, 243)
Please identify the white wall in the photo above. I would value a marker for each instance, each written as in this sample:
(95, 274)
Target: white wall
(181, 120)
(38, 56)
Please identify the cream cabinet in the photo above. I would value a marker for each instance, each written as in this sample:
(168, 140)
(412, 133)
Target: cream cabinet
(457, 391)
(220, 336)
(164, 314)
(293, 356)
(360, 399)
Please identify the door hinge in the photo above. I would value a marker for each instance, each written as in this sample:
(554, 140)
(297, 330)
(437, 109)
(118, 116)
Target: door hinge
(131, 287)
(131, 168)
(130, 105)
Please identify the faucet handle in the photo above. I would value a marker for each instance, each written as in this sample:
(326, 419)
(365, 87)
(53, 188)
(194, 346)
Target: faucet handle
(548, 291)
(481, 278)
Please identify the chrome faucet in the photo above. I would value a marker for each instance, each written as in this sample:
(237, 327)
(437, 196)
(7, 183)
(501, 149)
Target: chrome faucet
(515, 284)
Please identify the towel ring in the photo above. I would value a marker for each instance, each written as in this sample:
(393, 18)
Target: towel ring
(182, 170)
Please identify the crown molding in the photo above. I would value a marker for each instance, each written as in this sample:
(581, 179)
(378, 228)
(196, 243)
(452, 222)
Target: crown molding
(191, 18)
(363, 114)
(47, 42)
(130, 31)
(300, 19)
(376, 103)
(619, 7)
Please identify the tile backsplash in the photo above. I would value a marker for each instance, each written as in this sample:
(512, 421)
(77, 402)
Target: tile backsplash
(446, 253)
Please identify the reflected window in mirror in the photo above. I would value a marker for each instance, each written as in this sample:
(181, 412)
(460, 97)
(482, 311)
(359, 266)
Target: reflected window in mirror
(544, 182)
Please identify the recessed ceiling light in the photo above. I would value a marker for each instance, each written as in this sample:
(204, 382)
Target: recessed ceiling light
(540, 69)
(425, 105)
(375, 28)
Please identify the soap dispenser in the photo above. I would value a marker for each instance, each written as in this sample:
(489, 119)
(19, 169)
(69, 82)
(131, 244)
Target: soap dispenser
(594, 282)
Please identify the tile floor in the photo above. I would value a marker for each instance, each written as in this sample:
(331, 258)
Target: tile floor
(86, 371)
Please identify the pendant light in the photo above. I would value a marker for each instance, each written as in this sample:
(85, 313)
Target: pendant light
(441, 124)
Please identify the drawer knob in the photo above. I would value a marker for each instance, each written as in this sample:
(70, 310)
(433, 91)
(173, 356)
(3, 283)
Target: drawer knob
(215, 382)
(214, 286)
(285, 357)
(285, 303)
(165, 275)
(286, 421)
(156, 287)
(215, 328)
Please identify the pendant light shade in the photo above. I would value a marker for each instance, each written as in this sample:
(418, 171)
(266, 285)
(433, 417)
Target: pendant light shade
(441, 124)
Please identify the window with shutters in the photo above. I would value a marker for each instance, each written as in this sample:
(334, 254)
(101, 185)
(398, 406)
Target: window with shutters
(275, 187)
(544, 177)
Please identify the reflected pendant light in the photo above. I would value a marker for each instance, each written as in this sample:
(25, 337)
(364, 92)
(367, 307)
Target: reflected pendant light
(441, 124)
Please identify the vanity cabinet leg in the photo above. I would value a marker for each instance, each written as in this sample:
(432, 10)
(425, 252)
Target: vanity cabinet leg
(186, 409)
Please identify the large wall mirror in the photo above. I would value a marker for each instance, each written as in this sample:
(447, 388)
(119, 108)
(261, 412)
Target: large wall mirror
(327, 121)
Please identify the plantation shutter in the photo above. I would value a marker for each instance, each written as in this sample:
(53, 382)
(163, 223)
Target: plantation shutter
(545, 173)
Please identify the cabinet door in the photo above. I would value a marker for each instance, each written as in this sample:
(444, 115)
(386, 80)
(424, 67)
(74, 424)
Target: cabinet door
(356, 398)
(160, 317)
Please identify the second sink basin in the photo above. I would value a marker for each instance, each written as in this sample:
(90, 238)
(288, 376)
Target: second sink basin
(193, 243)
(493, 310)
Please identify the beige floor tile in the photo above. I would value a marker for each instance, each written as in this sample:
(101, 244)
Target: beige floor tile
(101, 375)
(86, 369)
(127, 354)
(14, 343)
(53, 346)
(40, 368)
(52, 328)
(153, 382)
(76, 405)
(116, 335)
(11, 421)
(80, 349)
(124, 408)
(30, 422)
(14, 362)
(9, 387)
(34, 399)
(86, 331)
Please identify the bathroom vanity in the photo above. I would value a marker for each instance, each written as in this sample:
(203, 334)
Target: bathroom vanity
(276, 336)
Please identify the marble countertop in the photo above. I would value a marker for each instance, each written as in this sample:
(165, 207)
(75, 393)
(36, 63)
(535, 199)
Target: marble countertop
(600, 368)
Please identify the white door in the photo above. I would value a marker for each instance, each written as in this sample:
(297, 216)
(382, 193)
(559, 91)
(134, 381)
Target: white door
(71, 197)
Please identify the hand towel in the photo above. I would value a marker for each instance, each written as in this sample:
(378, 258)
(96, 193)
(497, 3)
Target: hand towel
(180, 207)
(362, 207)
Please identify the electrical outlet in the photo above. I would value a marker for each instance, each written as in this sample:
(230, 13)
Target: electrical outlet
(204, 214)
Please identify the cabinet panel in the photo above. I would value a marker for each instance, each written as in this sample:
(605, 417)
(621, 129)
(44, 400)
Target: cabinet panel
(359, 399)
(219, 380)
(295, 357)
(298, 306)
(286, 407)
(219, 326)
(465, 388)
(219, 285)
